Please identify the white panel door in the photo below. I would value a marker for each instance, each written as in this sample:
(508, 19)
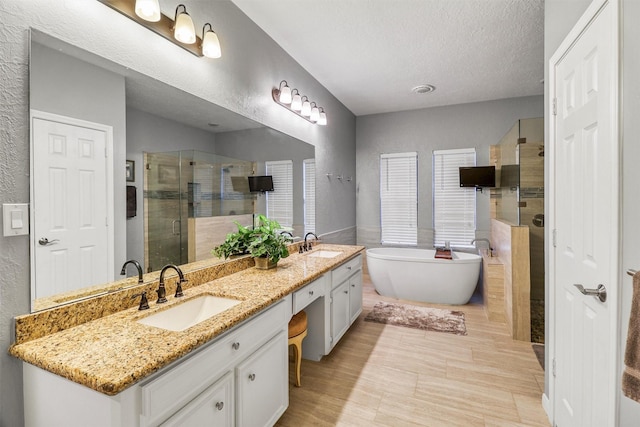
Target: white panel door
(585, 220)
(70, 205)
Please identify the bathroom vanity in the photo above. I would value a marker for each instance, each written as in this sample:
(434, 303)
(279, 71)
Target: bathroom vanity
(229, 370)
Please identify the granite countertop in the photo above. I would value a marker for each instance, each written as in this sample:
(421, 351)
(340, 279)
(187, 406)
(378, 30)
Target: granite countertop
(114, 352)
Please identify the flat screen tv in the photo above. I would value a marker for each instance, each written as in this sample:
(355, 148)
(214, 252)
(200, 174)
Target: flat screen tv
(478, 176)
(260, 183)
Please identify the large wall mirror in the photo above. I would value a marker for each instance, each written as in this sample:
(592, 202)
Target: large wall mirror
(172, 184)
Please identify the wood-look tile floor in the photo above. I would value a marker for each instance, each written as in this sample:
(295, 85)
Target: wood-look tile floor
(381, 375)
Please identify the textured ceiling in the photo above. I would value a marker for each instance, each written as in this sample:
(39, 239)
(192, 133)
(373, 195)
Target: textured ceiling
(370, 53)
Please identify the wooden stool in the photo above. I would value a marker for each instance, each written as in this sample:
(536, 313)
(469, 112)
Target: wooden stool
(297, 332)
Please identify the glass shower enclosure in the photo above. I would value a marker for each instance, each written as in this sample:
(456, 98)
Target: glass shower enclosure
(185, 184)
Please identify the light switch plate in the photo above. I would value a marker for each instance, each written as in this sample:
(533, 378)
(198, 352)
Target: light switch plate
(15, 219)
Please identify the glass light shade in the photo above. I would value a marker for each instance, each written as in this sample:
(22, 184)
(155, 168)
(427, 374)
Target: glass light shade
(306, 109)
(184, 30)
(149, 10)
(322, 120)
(315, 114)
(211, 45)
(296, 102)
(285, 95)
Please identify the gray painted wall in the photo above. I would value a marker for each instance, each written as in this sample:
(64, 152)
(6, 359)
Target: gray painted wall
(476, 125)
(149, 133)
(241, 81)
(265, 144)
(629, 409)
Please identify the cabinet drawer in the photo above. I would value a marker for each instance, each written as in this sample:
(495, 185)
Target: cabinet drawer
(213, 407)
(341, 273)
(181, 382)
(305, 296)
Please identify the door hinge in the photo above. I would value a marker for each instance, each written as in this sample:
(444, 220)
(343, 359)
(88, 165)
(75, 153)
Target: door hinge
(554, 236)
(553, 367)
(148, 166)
(555, 106)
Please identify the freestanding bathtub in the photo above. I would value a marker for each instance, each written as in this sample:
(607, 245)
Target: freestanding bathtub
(415, 274)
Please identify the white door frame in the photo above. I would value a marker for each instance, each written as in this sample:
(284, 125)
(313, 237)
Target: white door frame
(108, 130)
(584, 21)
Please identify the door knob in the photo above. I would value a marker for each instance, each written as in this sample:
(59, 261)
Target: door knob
(600, 292)
(44, 241)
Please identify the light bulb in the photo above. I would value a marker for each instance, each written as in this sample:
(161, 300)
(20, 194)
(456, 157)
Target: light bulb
(211, 45)
(315, 114)
(306, 109)
(285, 94)
(184, 30)
(296, 102)
(149, 10)
(322, 120)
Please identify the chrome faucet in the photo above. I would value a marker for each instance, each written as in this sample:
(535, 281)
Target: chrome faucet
(484, 240)
(162, 292)
(307, 247)
(138, 266)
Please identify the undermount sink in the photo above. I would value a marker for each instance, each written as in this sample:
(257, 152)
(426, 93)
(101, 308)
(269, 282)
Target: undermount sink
(189, 313)
(324, 254)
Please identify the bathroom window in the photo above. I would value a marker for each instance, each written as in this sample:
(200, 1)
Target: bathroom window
(399, 198)
(280, 200)
(309, 195)
(454, 207)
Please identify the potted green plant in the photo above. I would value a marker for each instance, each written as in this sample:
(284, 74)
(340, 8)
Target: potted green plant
(235, 243)
(265, 242)
(268, 245)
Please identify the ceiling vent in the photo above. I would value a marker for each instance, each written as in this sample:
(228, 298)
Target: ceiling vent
(423, 89)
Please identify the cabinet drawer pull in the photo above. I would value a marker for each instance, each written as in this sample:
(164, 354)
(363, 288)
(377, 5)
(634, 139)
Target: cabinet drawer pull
(353, 285)
(349, 268)
(310, 293)
(219, 406)
(346, 292)
(235, 345)
(252, 377)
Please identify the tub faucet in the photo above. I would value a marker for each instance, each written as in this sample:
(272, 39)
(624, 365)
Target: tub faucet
(484, 240)
(307, 247)
(162, 292)
(138, 266)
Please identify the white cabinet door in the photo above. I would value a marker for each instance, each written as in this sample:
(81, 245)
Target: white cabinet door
(339, 312)
(355, 296)
(263, 384)
(214, 407)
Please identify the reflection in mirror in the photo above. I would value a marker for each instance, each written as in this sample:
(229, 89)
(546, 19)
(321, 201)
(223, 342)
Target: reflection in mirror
(167, 138)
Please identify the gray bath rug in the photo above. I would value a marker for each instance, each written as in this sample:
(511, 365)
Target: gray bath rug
(426, 318)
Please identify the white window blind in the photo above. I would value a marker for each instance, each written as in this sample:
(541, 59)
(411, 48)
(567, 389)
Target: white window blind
(399, 198)
(280, 200)
(309, 195)
(454, 207)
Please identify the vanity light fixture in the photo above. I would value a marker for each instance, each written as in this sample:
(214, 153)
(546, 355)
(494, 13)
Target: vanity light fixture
(180, 30)
(296, 101)
(306, 108)
(315, 113)
(322, 120)
(149, 10)
(298, 104)
(285, 93)
(210, 43)
(184, 30)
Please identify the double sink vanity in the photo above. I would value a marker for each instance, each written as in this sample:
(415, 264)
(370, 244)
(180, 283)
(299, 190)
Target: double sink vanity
(217, 356)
